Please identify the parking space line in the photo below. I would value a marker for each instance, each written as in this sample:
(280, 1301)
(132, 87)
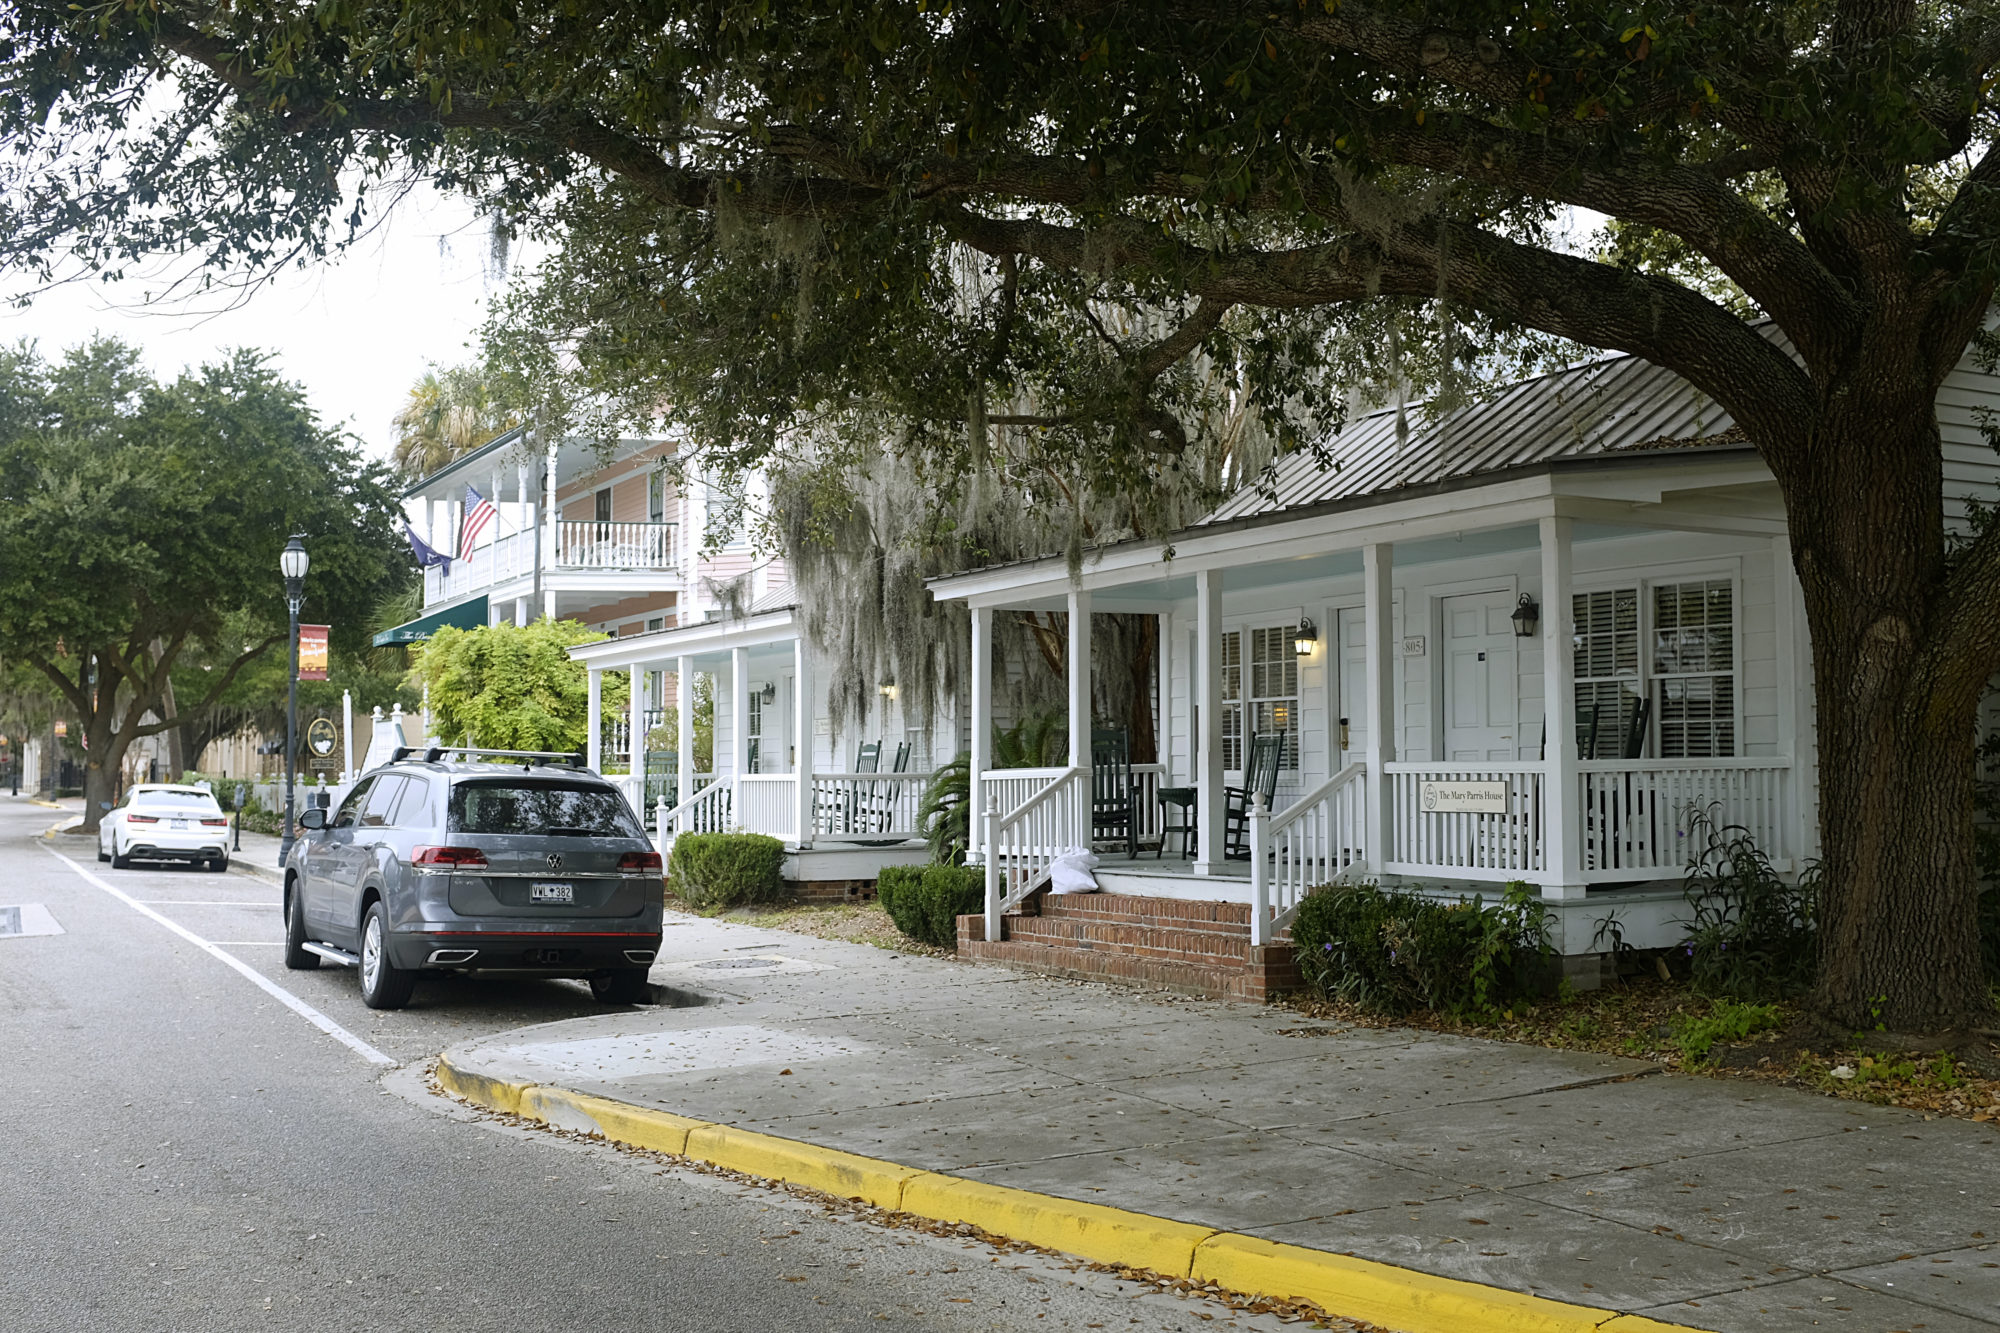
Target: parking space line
(209, 902)
(270, 987)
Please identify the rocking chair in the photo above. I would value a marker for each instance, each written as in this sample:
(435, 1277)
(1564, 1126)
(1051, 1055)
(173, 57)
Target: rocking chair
(1260, 780)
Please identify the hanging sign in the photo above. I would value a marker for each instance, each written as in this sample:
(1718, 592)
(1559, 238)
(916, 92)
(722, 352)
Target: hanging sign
(322, 739)
(312, 652)
(1450, 797)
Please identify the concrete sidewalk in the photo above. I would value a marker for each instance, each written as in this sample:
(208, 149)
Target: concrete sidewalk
(1602, 1182)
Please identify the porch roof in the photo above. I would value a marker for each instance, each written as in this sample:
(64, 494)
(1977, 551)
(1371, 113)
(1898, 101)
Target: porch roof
(576, 456)
(1616, 443)
(706, 641)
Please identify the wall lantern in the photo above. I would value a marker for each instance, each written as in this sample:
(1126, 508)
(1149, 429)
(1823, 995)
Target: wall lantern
(1305, 637)
(769, 693)
(888, 691)
(1527, 618)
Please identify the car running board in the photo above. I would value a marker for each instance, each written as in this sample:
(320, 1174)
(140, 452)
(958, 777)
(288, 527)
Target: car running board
(333, 955)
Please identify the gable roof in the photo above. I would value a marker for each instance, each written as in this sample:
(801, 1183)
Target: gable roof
(1618, 405)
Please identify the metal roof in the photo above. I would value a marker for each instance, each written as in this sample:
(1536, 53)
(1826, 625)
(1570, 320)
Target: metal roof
(1618, 405)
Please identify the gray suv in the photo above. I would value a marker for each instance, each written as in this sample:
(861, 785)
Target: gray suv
(519, 863)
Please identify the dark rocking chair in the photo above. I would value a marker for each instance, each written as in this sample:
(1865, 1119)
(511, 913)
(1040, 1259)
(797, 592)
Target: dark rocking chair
(1260, 779)
(1111, 808)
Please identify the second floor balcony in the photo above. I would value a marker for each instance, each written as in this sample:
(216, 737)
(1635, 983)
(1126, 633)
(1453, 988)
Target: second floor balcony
(615, 550)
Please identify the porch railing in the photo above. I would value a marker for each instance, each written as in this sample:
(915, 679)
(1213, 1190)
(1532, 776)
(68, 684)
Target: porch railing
(1315, 839)
(1022, 844)
(867, 807)
(592, 545)
(1636, 811)
(707, 811)
(1007, 788)
(507, 557)
(1503, 844)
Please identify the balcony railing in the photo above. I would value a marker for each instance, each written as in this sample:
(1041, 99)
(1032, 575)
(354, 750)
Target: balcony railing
(593, 545)
(579, 545)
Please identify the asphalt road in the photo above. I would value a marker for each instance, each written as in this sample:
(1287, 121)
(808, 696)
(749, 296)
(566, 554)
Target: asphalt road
(181, 1148)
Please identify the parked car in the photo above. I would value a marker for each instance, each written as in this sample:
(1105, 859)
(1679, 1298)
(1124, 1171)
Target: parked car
(461, 861)
(160, 821)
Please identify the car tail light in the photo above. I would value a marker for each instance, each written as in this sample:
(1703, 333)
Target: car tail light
(215, 823)
(142, 819)
(639, 863)
(462, 858)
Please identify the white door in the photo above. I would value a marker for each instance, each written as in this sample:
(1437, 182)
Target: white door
(1482, 679)
(1351, 634)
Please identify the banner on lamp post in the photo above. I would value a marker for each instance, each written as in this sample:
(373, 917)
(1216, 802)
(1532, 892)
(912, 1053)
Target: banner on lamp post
(312, 652)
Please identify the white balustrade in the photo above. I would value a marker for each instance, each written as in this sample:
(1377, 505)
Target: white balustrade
(1023, 842)
(1500, 845)
(593, 545)
(506, 557)
(766, 805)
(1315, 840)
(1636, 811)
(1005, 789)
(867, 807)
(707, 811)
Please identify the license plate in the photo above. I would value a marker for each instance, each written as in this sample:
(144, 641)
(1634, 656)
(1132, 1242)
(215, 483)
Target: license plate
(177, 825)
(540, 892)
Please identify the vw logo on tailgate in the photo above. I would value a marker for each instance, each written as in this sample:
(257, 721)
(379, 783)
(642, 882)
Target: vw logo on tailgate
(555, 860)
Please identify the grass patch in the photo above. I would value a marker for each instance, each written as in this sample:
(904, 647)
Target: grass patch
(851, 923)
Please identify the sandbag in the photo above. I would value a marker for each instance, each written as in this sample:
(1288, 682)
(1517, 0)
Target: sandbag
(1070, 872)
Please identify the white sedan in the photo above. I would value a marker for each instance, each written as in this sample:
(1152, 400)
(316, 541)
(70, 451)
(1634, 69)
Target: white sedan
(163, 822)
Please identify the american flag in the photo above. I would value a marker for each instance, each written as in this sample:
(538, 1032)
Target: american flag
(479, 512)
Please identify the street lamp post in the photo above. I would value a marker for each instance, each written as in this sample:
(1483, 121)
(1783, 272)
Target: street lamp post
(292, 562)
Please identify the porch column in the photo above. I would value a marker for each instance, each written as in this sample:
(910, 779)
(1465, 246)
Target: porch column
(1079, 703)
(1379, 614)
(547, 537)
(802, 740)
(982, 730)
(593, 721)
(520, 612)
(1163, 726)
(683, 732)
(739, 732)
(1562, 796)
(1207, 720)
(635, 744)
(1794, 690)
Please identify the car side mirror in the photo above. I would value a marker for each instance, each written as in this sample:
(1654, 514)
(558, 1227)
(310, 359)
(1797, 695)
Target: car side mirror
(312, 817)
(104, 805)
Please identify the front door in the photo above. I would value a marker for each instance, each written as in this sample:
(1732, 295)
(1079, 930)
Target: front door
(1351, 634)
(1482, 679)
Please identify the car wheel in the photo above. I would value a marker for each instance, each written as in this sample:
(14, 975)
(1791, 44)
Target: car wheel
(218, 864)
(296, 956)
(625, 986)
(383, 984)
(119, 861)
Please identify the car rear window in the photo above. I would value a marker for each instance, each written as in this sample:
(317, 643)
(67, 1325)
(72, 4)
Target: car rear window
(529, 806)
(191, 800)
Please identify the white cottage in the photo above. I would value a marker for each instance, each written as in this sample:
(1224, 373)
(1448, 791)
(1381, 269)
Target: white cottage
(1520, 645)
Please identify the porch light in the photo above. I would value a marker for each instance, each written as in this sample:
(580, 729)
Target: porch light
(1527, 618)
(1305, 637)
(888, 691)
(769, 693)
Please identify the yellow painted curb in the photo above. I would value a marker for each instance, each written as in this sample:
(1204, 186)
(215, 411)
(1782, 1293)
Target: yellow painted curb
(828, 1170)
(1381, 1294)
(1108, 1235)
(1397, 1298)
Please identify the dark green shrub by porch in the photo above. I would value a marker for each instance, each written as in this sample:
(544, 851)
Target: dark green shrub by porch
(721, 870)
(1394, 953)
(925, 902)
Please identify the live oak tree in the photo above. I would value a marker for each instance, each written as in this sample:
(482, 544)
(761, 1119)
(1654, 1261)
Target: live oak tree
(1012, 229)
(140, 524)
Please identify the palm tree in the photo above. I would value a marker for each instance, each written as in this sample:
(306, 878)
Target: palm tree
(448, 413)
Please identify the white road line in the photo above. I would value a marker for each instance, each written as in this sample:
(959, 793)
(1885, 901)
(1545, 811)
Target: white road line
(210, 902)
(272, 988)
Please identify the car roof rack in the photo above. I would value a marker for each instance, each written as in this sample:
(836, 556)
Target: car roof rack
(569, 758)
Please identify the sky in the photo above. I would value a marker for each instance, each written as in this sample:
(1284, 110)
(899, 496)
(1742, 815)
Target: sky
(356, 332)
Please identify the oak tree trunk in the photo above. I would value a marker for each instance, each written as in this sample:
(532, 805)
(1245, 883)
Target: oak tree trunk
(1896, 710)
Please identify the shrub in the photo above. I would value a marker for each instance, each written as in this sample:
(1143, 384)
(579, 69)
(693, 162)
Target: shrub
(1393, 953)
(925, 902)
(723, 870)
(1752, 935)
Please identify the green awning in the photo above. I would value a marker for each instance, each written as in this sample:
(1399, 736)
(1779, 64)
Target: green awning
(466, 615)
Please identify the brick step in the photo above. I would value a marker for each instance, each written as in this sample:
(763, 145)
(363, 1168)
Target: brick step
(1223, 948)
(1186, 913)
(1101, 965)
(1203, 947)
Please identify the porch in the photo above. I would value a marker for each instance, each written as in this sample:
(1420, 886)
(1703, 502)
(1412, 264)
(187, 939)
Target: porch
(775, 766)
(1561, 679)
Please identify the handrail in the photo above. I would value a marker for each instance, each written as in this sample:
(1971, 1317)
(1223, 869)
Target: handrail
(1046, 825)
(670, 820)
(1319, 835)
